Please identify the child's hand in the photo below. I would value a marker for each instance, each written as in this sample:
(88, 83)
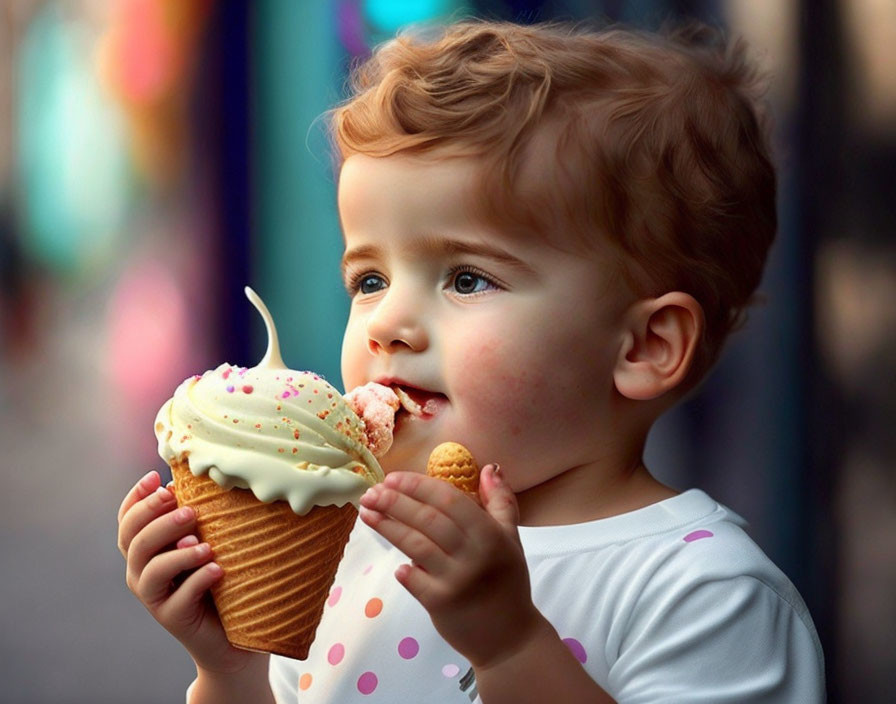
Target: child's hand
(170, 572)
(468, 567)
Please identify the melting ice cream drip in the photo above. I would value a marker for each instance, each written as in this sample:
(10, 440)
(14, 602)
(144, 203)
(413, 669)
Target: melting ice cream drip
(272, 358)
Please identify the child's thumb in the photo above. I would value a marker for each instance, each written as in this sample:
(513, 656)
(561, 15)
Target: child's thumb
(497, 497)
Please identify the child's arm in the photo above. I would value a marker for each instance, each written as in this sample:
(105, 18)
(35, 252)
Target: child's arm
(470, 574)
(170, 573)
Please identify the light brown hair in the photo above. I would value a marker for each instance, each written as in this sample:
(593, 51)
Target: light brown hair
(653, 144)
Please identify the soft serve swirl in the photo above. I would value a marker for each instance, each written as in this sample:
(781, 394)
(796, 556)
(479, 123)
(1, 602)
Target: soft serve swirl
(283, 434)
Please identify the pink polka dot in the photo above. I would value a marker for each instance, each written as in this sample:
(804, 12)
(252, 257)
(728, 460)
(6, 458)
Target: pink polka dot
(367, 569)
(334, 596)
(367, 683)
(577, 649)
(408, 648)
(697, 535)
(450, 670)
(337, 652)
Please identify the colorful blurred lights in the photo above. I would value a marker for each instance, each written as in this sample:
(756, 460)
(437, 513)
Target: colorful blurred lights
(73, 161)
(148, 328)
(390, 15)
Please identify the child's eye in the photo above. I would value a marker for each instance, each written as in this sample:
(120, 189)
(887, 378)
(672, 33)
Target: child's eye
(469, 281)
(366, 284)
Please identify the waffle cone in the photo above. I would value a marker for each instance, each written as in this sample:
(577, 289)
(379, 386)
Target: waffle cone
(278, 566)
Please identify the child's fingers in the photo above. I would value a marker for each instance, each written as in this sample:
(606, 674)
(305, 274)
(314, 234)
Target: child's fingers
(187, 541)
(181, 607)
(141, 514)
(421, 585)
(143, 488)
(154, 583)
(438, 493)
(417, 546)
(422, 517)
(498, 499)
(154, 538)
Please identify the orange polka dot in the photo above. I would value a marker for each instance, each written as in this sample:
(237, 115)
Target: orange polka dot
(373, 608)
(305, 681)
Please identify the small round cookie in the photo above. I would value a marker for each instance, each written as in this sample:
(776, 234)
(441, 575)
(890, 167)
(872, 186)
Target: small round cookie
(454, 463)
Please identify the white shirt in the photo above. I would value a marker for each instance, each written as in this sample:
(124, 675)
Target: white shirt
(669, 603)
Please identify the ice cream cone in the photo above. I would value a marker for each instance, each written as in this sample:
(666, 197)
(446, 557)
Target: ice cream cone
(278, 566)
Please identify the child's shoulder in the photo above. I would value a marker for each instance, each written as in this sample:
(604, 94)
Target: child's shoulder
(691, 538)
(681, 580)
(682, 544)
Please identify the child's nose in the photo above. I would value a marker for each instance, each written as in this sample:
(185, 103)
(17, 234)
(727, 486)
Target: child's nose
(397, 324)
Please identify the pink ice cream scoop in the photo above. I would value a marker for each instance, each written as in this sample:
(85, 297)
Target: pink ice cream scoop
(377, 405)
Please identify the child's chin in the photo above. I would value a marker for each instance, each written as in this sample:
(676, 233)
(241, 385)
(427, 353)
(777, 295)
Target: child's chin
(410, 449)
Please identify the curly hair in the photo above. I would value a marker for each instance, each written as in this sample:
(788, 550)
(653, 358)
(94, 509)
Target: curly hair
(654, 144)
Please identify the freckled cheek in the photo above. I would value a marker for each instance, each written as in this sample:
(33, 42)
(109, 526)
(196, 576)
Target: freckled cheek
(499, 389)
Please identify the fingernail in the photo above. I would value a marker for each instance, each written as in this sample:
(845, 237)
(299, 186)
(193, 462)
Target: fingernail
(146, 477)
(187, 541)
(164, 494)
(203, 549)
(372, 493)
(183, 515)
(369, 515)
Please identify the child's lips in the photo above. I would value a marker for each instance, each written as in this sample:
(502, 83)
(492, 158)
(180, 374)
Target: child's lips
(417, 402)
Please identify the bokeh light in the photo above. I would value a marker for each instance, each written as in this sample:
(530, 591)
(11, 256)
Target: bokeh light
(388, 16)
(73, 165)
(148, 333)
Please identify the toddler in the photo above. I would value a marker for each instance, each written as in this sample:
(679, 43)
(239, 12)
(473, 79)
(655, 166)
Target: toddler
(549, 234)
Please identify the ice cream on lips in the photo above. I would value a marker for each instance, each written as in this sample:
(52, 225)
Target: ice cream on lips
(377, 406)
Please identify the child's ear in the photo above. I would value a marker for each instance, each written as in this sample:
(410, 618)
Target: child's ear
(661, 339)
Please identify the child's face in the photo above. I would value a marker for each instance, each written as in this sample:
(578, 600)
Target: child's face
(509, 343)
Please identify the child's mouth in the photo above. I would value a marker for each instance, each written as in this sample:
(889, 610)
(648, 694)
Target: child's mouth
(418, 403)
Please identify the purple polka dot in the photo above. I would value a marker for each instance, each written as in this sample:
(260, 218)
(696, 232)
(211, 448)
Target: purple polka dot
(697, 535)
(337, 652)
(367, 683)
(408, 648)
(334, 596)
(576, 649)
(230, 389)
(450, 670)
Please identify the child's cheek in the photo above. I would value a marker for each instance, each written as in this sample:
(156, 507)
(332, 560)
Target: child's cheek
(497, 385)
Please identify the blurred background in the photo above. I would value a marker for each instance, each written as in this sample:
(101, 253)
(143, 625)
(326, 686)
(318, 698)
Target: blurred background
(158, 155)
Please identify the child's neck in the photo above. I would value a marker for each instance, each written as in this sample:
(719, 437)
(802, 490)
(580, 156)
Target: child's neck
(589, 492)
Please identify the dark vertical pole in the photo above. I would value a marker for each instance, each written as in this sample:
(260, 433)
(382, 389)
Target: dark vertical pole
(221, 127)
(235, 175)
(818, 136)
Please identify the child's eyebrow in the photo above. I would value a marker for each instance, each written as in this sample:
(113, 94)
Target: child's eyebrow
(442, 246)
(480, 249)
(367, 251)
